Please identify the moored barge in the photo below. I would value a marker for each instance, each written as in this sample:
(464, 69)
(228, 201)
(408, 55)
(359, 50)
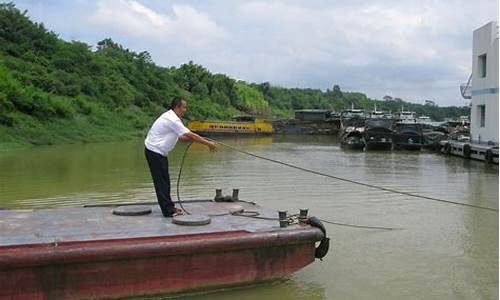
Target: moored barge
(407, 136)
(89, 252)
(378, 134)
(243, 125)
(352, 133)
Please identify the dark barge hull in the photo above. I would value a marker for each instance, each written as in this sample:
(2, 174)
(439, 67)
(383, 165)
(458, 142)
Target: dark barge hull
(407, 146)
(378, 134)
(111, 259)
(408, 140)
(378, 145)
(353, 146)
(352, 142)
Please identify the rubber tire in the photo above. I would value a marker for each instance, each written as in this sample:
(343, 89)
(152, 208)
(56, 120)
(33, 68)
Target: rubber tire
(447, 148)
(489, 156)
(466, 151)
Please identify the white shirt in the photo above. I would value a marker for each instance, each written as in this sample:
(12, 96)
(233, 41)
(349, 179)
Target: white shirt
(164, 133)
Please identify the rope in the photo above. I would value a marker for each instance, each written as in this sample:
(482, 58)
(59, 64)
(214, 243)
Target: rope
(354, 181)
(179, 178)
(358, 226)
(255, 214)
(291, 220)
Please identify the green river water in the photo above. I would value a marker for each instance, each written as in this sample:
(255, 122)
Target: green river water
(440, 252)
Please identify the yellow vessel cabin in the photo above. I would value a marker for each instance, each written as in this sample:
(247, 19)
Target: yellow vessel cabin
(238, 125)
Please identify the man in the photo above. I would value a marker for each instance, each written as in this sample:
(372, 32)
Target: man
(161, 139)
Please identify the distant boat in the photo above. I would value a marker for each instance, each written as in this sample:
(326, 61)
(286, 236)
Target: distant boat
(432, 133)
(407, 136)
(352, 123)
(431, 139)
(352, 113)
(377, 114)
(378, 134)
(424, 120)
(352, 130)
(405, 116)
(244, 125)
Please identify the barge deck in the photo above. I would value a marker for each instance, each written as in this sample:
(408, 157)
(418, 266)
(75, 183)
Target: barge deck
(483, 152)
(81, 253)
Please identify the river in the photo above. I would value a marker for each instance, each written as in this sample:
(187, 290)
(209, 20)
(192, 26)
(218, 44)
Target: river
(439, 251)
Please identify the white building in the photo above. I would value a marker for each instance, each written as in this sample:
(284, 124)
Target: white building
(484, 85)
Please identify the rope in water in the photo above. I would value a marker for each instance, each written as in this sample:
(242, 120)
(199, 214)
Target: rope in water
(253, 214)
(354, 181)
(320, 174)
(358, 226)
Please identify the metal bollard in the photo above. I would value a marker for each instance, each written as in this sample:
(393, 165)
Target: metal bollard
(218, 194)
(282, 218)
(235, 194)
(303, 215)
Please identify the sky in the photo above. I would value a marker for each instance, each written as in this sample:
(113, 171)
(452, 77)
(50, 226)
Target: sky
(414, 50)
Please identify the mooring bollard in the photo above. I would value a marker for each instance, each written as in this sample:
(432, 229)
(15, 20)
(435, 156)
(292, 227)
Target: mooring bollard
(303, 215)
(282, 218)
(218, 194)
(235, 194)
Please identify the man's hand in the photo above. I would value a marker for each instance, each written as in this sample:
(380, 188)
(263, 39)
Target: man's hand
(212, 146)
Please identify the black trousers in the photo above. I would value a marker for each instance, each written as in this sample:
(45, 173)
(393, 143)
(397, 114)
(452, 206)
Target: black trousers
(158, 166)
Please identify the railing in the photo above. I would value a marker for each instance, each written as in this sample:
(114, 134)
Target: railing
(465, 89)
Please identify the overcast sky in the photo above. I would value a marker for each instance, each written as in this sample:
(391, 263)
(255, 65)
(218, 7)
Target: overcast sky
(415, 50)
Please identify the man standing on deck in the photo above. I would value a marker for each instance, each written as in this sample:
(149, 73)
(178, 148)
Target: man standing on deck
(161, 139)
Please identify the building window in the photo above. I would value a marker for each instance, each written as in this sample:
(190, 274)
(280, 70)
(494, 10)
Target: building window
(482, 65)
(481, 111)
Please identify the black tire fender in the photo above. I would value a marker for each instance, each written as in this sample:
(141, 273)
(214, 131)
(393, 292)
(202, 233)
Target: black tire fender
(447, 148)
(489, 156)
(466, 150)
(324, 244)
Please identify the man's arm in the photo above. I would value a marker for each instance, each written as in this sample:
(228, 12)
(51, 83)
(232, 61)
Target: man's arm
(196, 138)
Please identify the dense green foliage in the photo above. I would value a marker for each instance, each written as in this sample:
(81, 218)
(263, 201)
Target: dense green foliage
(55, 91)
(285, 99)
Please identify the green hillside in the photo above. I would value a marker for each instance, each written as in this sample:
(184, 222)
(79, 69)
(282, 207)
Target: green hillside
(55, 91)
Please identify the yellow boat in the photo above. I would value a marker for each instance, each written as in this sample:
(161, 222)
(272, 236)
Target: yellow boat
(239, 125)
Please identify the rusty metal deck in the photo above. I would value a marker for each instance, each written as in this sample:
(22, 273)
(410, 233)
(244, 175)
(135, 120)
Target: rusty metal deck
(21, 227)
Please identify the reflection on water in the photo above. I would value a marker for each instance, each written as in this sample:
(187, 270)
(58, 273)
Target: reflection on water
(290, 289)
(441, 251)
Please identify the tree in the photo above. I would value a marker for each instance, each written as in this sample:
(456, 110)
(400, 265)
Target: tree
(337, 93)
(44, 79)
(430, 103)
